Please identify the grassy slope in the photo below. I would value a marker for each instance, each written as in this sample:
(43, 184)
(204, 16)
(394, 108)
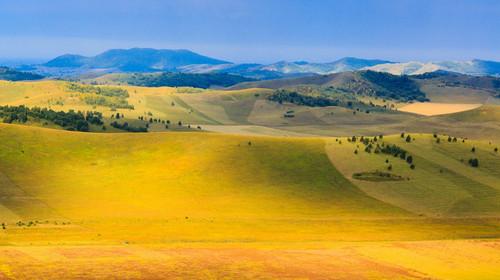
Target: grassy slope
(163, 187)
(441, 185)
(206, 190)
(250, 108)
(210, 107)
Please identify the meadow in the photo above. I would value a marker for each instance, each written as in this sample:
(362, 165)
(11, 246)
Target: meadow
(254, 201)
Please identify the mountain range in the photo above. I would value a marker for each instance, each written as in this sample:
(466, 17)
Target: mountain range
(475, 67)
(146, 60)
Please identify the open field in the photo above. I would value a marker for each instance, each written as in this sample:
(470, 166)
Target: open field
(259, 195)
(154, 204)
(394, 260)
(433, 109)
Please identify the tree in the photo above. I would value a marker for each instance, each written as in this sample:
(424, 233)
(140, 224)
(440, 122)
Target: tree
(408, 139)
(402, 135)
(412, 166)
(496, 150)
(474, 162)
(473, 149)
(402, 155)
(409, 159)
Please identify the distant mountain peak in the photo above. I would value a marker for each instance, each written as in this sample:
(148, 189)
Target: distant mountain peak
(134, 60)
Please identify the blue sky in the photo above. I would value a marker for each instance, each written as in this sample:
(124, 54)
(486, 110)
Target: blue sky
(256, 30)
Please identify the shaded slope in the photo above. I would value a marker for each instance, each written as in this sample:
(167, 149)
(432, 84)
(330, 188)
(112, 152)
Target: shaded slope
(102, 176)
(13, 75)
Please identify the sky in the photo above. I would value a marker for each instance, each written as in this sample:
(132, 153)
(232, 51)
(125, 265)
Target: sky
(260, 31)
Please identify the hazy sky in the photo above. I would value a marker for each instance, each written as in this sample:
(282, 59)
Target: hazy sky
(255, 30)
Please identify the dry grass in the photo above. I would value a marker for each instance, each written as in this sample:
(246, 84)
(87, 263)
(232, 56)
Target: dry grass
(433, 109)
(382, 260)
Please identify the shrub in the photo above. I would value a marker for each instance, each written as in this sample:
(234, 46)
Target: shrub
(474, 162)
(409, 159)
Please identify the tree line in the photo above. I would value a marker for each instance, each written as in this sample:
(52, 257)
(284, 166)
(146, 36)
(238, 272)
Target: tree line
(70, 120)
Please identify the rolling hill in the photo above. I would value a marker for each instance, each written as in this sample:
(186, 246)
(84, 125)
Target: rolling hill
(243, 202)
(355, 83)
(250, 111)
(13, 75)
(169, 79)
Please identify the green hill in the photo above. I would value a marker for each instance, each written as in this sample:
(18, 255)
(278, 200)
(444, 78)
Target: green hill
(368, 83)
(168, 79)
(13, 75)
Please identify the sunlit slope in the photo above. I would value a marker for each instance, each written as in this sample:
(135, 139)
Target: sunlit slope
(82, 175)
(487, 113)
(190, 106)
(443, 184)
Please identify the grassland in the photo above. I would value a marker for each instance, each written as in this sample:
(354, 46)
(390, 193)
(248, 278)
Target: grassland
(107, 201)
(248, 110)
(243, 204)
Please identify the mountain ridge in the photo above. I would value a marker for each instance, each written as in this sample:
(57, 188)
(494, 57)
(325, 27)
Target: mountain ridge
(144, 60)
(475, 67)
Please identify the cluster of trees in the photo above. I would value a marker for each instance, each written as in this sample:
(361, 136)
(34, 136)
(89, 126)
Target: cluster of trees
(186, 80)
(103, 96)
(372, 146)
(104, 91)
(70, 120)
(111, 102)
(283, 95)
(394, 86)
(13, 75)
(127, 127)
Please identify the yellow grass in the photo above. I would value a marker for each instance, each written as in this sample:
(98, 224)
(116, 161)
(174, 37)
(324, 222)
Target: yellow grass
(370, 260)
(210, 205)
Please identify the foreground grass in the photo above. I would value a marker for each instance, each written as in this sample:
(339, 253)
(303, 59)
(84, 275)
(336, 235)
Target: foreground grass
(381, 260)
(171, 187)
(206, 205)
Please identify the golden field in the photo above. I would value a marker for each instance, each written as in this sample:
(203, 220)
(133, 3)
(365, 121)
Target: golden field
(267, 198)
